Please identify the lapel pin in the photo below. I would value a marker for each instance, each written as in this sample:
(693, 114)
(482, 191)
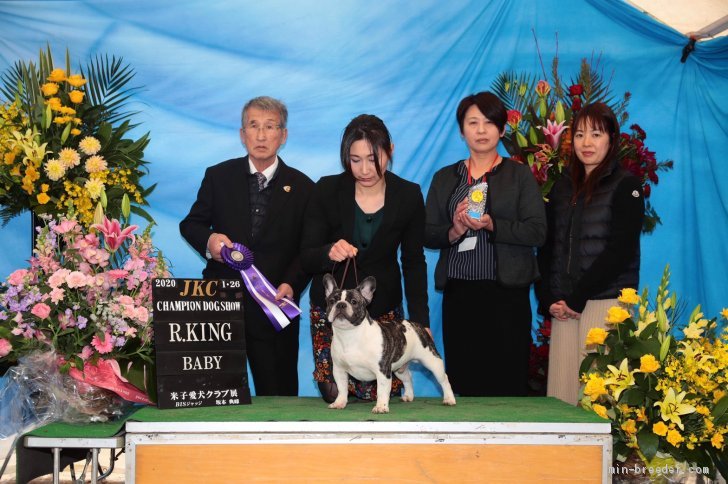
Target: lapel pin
(287, 188)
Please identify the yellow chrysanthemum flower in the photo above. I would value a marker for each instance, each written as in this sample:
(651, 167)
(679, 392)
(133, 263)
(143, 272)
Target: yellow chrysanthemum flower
(595, 387)
(660, 429)
(600, 410)
(717, 440)
(68, 111)
(43, 198)
(724, 313)
(9, 158)
(717, 395)
(57, 75)
(629, 296)
(95, 164)
(596, 336)
(49, 89)
(69, 157)
(76, 96)
(89, 145)
(617, 315)
(76, 80)
(702, 410)
(94, 188)
(75, 131)
(55, 169)
(648, 364)
(629, 426)
(54, 103)
(674, 437)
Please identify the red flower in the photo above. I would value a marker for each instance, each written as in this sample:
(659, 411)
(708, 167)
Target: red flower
(514, 117)
(647, 189)
(576, 104)
(576, 90)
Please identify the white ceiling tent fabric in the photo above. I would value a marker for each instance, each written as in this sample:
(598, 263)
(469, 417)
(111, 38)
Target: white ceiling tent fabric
(701, 19)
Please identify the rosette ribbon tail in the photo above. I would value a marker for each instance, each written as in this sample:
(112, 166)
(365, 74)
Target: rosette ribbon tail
(280, 312)
(107, 374)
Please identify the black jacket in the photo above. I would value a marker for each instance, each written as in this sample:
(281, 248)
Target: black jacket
(223, 206)
(330, 217)
(593, 249)
(517, 209)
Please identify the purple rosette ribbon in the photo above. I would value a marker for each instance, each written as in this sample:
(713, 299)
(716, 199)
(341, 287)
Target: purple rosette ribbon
(240, 258)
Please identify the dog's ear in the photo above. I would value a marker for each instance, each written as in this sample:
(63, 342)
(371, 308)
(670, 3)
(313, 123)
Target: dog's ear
(367, 287)
(329, 284)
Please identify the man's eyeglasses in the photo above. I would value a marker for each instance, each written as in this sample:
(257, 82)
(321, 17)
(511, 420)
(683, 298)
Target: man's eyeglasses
(268, 128)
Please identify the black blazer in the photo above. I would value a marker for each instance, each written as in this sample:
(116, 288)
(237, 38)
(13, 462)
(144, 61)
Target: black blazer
(330, 217)
(223, 206)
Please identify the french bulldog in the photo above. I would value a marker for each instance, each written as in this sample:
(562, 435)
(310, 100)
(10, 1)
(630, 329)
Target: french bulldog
(368, 350)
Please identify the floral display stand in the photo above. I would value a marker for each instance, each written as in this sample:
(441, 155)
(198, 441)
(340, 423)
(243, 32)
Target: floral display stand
(280, 438)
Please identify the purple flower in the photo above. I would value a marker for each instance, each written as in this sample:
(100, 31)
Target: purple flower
(81, 322)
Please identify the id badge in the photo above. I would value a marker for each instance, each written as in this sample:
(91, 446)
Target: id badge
(467, 244)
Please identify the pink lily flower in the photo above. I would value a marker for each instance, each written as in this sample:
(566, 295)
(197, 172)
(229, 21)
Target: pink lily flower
(114, 236)
(553, 132)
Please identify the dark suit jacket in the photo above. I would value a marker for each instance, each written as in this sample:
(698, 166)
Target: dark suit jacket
(330, 217)
(223, 206)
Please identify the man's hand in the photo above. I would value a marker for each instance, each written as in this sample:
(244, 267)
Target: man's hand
(284, 290)
(215, 243)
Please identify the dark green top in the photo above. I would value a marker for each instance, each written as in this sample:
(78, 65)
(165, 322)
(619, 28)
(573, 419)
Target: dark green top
(365, 226)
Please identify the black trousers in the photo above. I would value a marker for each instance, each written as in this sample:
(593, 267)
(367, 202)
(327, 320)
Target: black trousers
(487, 336)
(273, 356)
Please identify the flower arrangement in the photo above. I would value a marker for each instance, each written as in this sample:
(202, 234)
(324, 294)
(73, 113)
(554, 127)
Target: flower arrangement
(539, 117)
(538, 363)
(65, 144)
(86, 297)
(666, 399)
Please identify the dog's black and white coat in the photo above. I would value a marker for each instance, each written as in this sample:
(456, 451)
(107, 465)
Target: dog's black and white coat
(369, 350)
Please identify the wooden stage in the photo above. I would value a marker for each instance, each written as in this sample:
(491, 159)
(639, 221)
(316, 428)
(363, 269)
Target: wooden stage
(299, 439)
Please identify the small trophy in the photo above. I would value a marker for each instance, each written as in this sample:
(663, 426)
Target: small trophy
(476, 199)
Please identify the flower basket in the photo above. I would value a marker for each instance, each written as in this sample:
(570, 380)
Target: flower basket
(539, 119)
(667, 399)
(81, 315)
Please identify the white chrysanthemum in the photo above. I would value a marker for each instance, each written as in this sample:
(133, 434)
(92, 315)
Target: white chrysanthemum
(89, 145)
(55, 169)
(69, 157)
(94, 188)
(95, 164)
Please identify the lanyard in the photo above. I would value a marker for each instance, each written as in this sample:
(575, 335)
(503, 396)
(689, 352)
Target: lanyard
(488, 172)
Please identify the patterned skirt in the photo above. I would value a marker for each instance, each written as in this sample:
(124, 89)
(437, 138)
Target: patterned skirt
(322, 333)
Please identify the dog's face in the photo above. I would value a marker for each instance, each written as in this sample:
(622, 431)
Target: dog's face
(347, 308)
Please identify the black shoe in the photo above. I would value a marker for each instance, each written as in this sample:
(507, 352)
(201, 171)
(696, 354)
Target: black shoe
(328, 390)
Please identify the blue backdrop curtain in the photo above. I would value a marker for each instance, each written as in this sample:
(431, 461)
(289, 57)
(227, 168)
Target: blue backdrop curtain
(409, 63)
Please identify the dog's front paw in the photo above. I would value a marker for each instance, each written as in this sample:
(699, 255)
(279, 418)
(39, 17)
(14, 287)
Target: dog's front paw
(448, 401)
(407, 398)
(380, 409)
(338, 404)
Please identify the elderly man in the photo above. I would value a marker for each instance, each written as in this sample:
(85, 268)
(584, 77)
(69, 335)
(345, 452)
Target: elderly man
(258, 201)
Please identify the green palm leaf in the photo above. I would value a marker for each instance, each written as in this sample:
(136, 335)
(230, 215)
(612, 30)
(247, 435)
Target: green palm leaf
(107, 87)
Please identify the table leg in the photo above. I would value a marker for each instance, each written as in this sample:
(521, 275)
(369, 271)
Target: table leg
(94, 465)
(56, 465)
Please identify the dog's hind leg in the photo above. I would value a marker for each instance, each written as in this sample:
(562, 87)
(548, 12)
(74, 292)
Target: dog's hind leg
(437, 368)
(406, 376)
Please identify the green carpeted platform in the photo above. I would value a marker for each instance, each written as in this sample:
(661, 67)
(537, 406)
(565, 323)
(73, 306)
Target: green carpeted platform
(290, 409)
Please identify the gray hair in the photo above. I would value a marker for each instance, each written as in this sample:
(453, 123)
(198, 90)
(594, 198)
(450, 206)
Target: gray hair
(266, 103)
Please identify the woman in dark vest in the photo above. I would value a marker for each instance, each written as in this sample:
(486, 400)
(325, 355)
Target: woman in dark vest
(593, 247)
(486, 215)
(365, 214)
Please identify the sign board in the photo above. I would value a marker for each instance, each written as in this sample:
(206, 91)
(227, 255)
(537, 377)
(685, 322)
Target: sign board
(199, 337)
